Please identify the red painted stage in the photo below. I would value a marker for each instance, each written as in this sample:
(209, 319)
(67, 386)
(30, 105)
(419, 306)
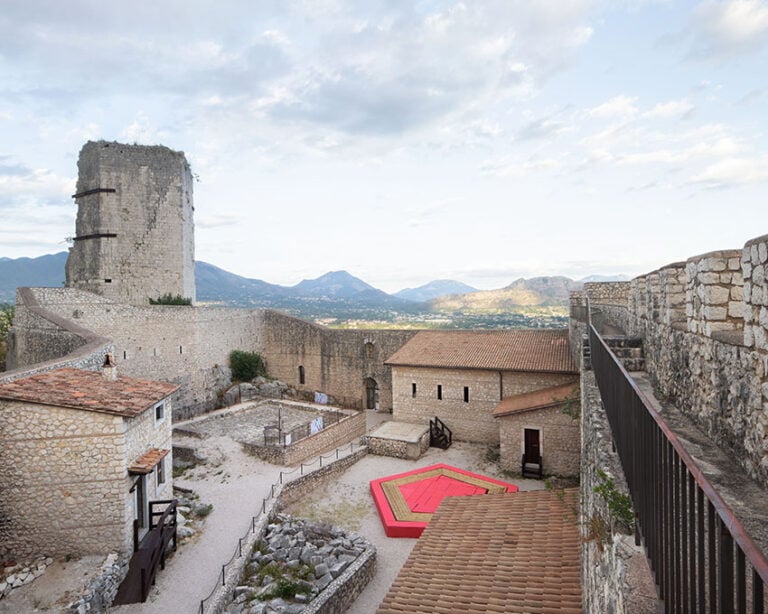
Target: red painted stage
(406, 501)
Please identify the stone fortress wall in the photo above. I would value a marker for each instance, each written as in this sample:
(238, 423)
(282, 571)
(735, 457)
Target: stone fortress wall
(704, 325)
(134, 234)
(190, 346)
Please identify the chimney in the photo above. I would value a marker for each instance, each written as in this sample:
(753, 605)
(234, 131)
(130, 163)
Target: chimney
(109, 369)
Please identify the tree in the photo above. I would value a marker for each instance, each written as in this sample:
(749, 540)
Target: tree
(246, 365)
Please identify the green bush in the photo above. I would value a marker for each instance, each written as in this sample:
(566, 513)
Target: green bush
(246, 365)
(170, 299)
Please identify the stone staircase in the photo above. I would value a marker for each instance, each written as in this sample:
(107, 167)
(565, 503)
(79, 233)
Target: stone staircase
(629, 350)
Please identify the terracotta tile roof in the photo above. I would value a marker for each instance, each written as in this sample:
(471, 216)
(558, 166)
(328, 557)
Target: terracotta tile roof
(511, 553)
(538, 399)
(87, 390)
(543, 350)
(147, 461)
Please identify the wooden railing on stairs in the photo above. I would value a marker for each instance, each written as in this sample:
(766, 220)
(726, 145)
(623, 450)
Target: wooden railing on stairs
(440, 436)
(150, 553)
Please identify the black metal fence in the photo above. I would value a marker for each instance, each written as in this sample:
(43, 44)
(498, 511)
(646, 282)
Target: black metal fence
(701, 555)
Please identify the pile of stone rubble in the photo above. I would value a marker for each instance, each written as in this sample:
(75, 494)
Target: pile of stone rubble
(19, 574)
(296, 560)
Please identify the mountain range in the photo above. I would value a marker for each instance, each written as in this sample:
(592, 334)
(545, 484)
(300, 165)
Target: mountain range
(336, 293)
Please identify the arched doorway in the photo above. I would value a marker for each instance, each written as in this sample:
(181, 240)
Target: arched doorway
(371, 394)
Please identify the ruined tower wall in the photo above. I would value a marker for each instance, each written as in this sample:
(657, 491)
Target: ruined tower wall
(134, 234)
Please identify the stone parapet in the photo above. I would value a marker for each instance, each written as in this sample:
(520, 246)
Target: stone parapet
(714, 293)
(754, 266)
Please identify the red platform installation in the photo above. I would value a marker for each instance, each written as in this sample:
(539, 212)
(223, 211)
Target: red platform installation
(406, 501)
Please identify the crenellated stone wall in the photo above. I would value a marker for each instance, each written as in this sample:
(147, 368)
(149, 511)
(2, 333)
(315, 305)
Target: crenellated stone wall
(714, 295)
(705, 342)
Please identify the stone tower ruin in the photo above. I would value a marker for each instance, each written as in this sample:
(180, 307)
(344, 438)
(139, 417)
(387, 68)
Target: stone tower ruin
(134, 234)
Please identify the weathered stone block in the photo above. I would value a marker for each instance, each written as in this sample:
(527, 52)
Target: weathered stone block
(714, 313)
(715, 295)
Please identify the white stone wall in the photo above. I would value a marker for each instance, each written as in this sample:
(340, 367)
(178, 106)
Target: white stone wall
(64, 480)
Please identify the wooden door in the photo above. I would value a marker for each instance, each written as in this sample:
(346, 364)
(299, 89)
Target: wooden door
(532, 445)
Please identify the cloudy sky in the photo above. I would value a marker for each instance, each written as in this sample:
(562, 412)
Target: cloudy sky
(402, 140)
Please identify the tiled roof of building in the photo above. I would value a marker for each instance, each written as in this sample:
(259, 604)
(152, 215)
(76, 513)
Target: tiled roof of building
(538, 399)
(543, 350)
(147, 461)
(87, 390)
(511, 553)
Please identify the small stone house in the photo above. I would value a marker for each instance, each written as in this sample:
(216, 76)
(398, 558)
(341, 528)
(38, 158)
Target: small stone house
(461, 376)
(82, 455)
(543, 424)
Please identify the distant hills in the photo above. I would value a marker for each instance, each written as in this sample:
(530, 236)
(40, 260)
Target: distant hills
(44, 271)
(336, 294)
(434, 289)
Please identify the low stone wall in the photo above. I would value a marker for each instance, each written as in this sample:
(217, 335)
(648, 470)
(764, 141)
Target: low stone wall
(397, 448)
(340, 594)
(102, 588)
(342, 432)
(605, 555)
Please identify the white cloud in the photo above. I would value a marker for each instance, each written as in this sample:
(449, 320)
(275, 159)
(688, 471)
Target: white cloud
(620, 107)
(733, 172)
(671, 108)
(724, 28)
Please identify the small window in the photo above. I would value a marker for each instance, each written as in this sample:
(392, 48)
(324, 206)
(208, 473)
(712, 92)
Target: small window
(369, 350)
(181, 349)
(302, 377)
(125, 355)
(413, 390)
(466, 394)
(159, 412)
(439, 392)
(107, 281)
(161, 473)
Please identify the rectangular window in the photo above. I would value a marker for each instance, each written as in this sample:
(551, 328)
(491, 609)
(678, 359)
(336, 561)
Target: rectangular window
(159, 412)
(413, 390)
(161, 473)
(466, 394)
(439, 392)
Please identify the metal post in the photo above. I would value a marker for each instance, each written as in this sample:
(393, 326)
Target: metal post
(223, 582)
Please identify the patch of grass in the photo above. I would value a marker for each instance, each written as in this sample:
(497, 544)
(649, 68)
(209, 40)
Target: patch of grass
(284, 589)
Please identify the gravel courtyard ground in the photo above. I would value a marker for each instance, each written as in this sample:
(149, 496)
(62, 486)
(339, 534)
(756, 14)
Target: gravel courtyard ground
(235, 483)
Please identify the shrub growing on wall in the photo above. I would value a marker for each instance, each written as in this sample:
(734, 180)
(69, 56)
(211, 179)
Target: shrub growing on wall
(170, 299)
(246, 365)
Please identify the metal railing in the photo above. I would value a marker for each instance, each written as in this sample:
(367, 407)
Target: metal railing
(701, 555)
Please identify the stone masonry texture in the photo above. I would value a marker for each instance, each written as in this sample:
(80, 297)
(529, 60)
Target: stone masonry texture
(134, 234)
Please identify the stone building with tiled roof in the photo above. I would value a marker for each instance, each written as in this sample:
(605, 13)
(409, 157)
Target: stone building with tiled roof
(462, 376)
(505, 553)
(83, 453)
(544, 424)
